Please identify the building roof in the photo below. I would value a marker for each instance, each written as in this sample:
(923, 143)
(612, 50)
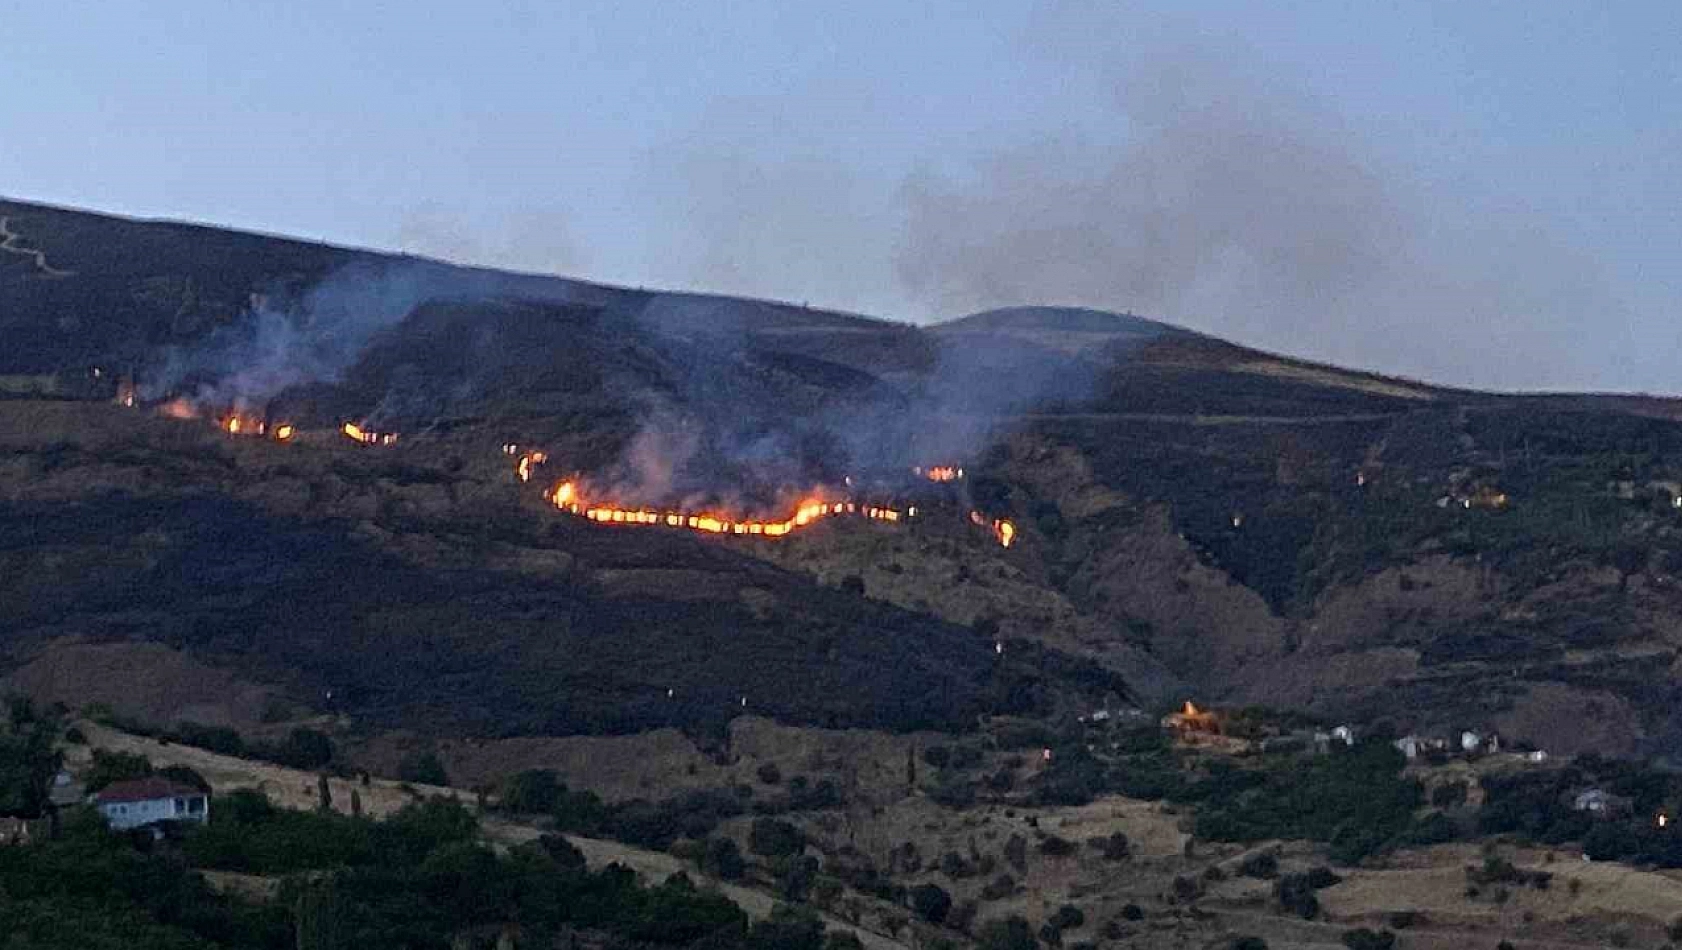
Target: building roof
(144, 790)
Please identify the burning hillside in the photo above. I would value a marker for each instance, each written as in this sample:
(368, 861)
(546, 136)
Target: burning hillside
(575, 498)
(567, 496)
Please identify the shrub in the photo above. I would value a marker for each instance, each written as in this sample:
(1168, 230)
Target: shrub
(931, 902)
(532, 792)
(1132, 912)
(1403, 919)
(303, 749)
(999, 888)
(184, 775)
(1263, 865)
(769, 774)
(1295, 894)
(1113, 847)
(775, 838)
(938, 756)
(1016, 852)
(1068, 917)
(1248, 943)
(423, 767)
(109, 768)
(1320, 876)
(1448, 795)
(1010, 933)
(1056, 847)
(1363, 938)
(723, 859)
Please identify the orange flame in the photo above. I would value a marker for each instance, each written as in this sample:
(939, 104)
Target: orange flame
(566, 497)
(1003, 531)
(284, 432)
(941, 473)
(526, 462)
(236, 423)
(358, 434)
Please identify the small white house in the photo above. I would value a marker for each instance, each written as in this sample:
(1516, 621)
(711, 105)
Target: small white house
(1344, 734)
(144, 802)
(1593, 800)
(1410, 746)
(1470, 741)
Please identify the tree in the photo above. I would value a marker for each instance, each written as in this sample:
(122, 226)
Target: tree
(1009, 933)
(1363, 938)
(323, 793)
(317, 916)
(533, 792)
(108, 768)
(931, 902)
(305, 749)
(787, 928)
(423, 767)
(770, 774)
(853, 584)
(355, 803)
(723, 859)
(775, 838)
(185, 775)
(1016, 852)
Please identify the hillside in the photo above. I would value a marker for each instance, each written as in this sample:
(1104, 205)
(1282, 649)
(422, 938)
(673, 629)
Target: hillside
(1191, 517)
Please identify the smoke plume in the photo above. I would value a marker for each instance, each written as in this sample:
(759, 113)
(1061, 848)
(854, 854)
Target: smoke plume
(1239, 204)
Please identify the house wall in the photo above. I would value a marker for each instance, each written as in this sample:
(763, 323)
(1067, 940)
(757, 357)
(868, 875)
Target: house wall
(122, 815)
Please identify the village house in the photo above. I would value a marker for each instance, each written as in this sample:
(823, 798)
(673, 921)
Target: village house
(1599, 803)
(1201, 727)
(1191, 720)
(150, 802)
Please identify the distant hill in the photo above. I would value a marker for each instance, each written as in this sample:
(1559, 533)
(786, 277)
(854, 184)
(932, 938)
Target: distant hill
(1194, 518)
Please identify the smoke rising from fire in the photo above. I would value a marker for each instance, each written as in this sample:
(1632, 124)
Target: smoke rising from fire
(1200, 185)
(1240, 204)
(284, 341)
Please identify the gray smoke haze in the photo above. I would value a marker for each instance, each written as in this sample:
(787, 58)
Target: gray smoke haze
(1209, 189)
(1239, 205)
(282, 343)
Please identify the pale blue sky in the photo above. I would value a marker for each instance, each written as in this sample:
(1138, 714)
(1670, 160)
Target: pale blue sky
(1486, 193)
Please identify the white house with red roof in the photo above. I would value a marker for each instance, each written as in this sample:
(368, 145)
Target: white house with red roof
(142, 802)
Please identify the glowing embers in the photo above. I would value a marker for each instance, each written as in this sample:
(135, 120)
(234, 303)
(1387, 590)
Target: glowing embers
(356, 433)
(567, 497)
(940, 473)
(1004, 532)
(527, 462)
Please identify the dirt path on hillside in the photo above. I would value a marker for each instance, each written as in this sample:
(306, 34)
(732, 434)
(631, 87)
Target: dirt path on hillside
(8, 242)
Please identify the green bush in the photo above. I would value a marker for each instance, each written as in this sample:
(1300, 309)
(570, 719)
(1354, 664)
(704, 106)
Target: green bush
(931, 902)
(773, 837)
(1363, 938)
(109, 768)
(424, 767)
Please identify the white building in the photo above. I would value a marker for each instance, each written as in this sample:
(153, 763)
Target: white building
(150, 801)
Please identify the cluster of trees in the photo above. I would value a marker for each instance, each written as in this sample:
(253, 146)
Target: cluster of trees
(418, 879)
(1539, 806)
(300, 748)
(1355, 799)
(29, 758)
